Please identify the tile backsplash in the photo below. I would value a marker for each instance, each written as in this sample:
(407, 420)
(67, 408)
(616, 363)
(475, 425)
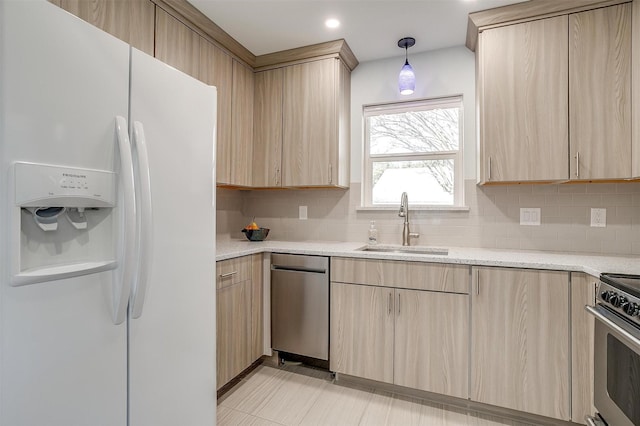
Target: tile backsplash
(492, 221)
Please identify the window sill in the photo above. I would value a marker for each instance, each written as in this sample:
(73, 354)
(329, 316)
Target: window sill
(416, 208)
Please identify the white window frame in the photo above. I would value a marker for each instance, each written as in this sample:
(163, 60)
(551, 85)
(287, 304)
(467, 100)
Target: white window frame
(456, 156)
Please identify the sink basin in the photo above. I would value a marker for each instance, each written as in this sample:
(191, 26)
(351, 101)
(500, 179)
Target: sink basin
(407, 249)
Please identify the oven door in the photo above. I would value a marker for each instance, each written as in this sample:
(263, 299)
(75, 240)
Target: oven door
(617, 368)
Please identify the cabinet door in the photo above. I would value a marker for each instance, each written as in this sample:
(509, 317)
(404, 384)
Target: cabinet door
(257, 323)
(310, 123)
(635, 87)
(341, 151)
(232, 337)
(600, 93)
(362, 331)
(131, 21)
(431, 342)
(524, 101)
(582, 334)
(520, 340)
(239, 158)
(216, 69)
(267, 132)
(176, 44)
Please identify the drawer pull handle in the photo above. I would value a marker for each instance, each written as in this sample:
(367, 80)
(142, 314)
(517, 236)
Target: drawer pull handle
(228, 274)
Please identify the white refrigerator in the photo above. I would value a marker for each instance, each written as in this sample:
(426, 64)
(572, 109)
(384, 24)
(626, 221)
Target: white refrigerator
(107, 222)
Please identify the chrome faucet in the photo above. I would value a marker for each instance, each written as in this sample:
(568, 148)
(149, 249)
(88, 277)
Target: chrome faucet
(404, 212)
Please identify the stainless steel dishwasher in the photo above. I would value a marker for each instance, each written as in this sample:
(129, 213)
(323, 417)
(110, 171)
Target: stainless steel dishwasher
(300, 305)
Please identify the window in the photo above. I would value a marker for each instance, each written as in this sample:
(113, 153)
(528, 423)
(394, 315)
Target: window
(413, 147)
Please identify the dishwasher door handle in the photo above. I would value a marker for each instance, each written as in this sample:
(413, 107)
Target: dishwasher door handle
(298, 269)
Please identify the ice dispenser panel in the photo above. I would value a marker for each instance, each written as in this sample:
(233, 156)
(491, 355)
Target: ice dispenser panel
(62, 223)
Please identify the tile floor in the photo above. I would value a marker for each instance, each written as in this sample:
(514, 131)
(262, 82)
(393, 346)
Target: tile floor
(302, 396)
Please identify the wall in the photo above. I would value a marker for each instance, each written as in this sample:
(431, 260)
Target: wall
(493, 217)
(443, 72)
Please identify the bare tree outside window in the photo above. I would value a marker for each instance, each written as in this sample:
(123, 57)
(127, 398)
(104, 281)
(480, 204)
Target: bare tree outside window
(413, 150)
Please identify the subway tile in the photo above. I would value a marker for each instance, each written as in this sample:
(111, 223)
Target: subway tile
(508, 243)
(532, 200)
(613, 199)
(617, 247)
(572, 188)
(520, 189)
(628, 187)
(625, 211)
(545, 189)
(590, 246)
(589, 200)
(559, 199)
(600, 234)
(507, 199)
(601, 188)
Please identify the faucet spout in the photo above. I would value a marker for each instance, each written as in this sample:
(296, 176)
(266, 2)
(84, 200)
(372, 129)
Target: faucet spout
(404, 212)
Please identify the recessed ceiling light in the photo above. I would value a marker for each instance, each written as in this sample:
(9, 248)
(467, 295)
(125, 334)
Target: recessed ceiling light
(332, 23)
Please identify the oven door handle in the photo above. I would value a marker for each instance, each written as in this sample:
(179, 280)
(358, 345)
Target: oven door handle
(611, 321)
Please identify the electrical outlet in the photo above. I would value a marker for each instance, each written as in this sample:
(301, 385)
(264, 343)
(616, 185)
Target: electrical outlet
(530, 216)
(599, 218)
(302, 212)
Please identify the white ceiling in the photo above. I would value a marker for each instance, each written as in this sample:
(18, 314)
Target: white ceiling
(372, 28)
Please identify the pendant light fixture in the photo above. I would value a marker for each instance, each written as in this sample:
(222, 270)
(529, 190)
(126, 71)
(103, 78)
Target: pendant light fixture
(407, 78)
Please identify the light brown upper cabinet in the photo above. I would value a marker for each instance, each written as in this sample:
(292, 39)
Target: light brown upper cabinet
(216, 69)
(554, 98)
(600, 93)
(523, 101)
(302, 125)
(184, 49)
(635, 87)
(234, 163)
(520, 340)
(177, 44)
(130, 21)
(267, 128)
(311, 124)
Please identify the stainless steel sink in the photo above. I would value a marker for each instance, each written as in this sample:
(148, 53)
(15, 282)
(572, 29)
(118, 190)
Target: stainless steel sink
(407, 249)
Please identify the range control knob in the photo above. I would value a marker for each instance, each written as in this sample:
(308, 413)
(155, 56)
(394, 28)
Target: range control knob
(619, 302)
(630, 308)
(606, 295)
(614, 299)
(617, 299)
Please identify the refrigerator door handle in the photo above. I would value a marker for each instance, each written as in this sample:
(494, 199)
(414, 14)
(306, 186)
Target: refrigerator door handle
(145, 221)
(122, 286)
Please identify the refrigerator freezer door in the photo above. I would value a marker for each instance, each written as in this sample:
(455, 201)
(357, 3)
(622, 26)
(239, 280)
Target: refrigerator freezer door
(172, 344)
(62, 82)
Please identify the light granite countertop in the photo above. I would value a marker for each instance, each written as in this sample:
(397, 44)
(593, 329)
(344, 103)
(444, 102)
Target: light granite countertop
(589, 263)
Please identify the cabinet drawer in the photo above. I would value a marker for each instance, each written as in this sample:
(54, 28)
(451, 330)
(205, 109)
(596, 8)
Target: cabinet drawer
(395, 273)
(233, 271)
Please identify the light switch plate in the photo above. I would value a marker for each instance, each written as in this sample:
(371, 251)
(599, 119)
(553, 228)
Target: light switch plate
(302, 212)
(599, 218)
(530, 216)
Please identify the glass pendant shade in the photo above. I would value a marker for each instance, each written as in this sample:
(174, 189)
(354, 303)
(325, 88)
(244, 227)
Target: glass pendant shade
(406, 79)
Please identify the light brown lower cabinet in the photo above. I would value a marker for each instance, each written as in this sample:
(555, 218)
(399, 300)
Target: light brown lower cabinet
(361, 331)
(520, 340)
(412, 338)
(238, 315)
(583, 288)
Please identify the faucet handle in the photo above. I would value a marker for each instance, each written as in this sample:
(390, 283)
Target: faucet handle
(414, 235)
